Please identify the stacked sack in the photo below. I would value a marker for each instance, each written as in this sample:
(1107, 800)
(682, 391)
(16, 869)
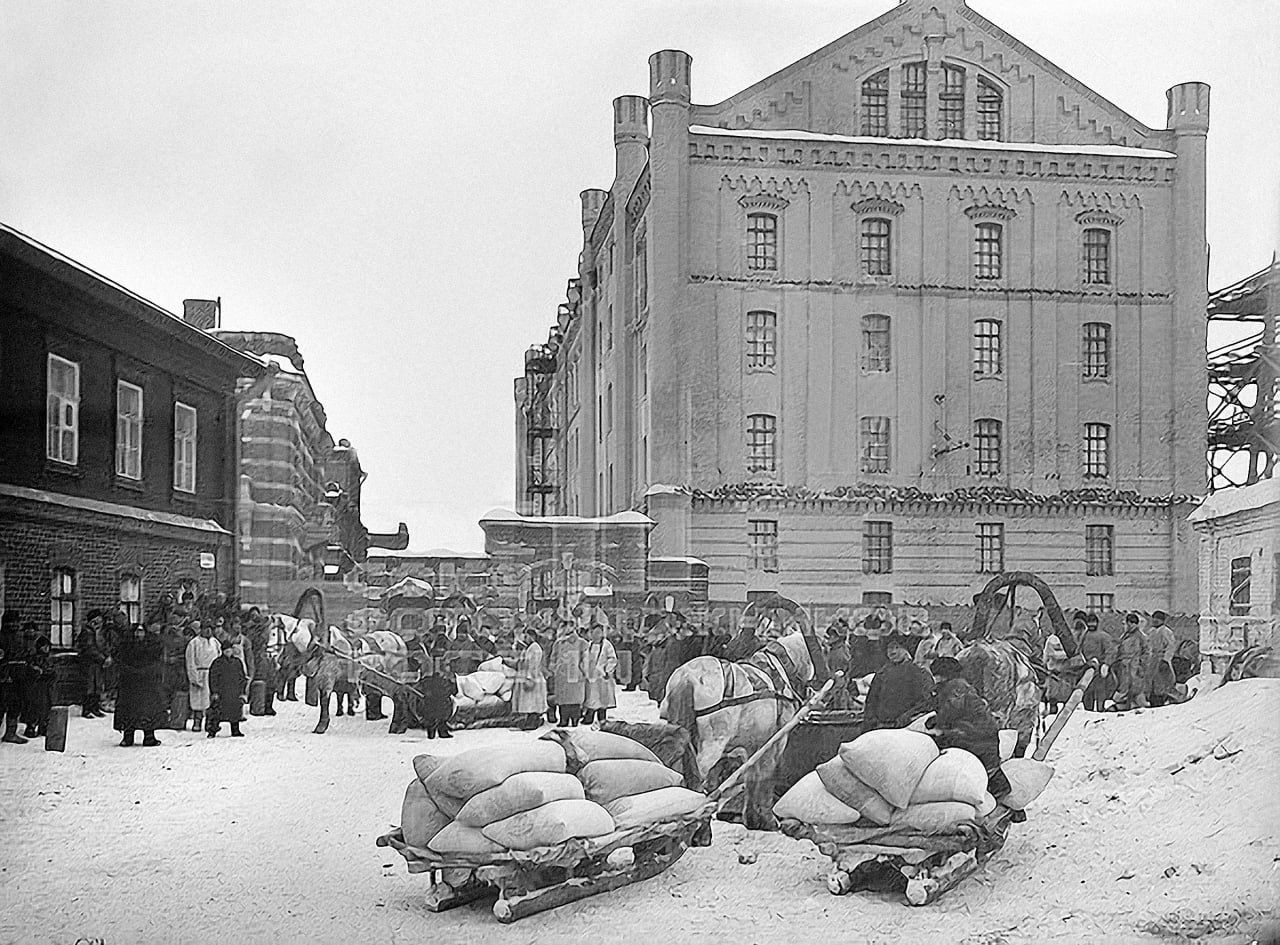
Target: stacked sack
(892, 778)
(625, 777)
(490, 685)
(487, 801)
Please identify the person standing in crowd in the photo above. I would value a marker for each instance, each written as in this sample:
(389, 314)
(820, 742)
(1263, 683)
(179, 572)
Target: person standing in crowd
(900, 690)
(1060, 681)
(1130, 666)
(1162, 645)
(1099, 652)
(173, 660)
(92, 657)
(40, 679)
(964, 720)
(567, 657)
(115, 631)
(529, 692)
(867, 645)
(202, 651)
(437, 688)
(599, 664)
(942, 642)
(226, 685)
(140, 702)
(13, 669)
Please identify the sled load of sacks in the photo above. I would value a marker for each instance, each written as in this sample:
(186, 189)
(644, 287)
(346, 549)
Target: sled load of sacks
(489, 686)
(898, 779)
(570, 784)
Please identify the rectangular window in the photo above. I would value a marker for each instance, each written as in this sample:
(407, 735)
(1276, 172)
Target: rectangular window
(876, 342)
(1097, 257)
(951, 103)
(184, 447)
(762, 535)
(1096, 357)
(131, 598)
(62, 608)
(1100, 603)
(875, 248)
(1099, 550)
(987, 448)
(762, 451)
(990, 547)
(1097, 450)
(877, 547)
(875, 105)
(987, 256)
(875, 444)
(128, 430)
(642, 275)
(914, 92)
(761, 339)
(62, 428)
(762, 242)
(988, 349)
(1241, 594)
(990, 106)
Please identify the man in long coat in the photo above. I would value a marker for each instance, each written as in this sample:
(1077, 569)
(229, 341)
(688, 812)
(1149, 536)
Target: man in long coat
(201, 652)
(227, 682)
(567, 657)
(599, 664)
(529, 693)
(140, 703)
(1131, 665)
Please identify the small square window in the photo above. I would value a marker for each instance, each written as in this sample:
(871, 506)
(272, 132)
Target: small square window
(763, 538)
(1099, 550)
(990, 548)
(877, 547)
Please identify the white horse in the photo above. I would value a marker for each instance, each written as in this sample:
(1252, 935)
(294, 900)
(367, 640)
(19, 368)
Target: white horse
(737, 707)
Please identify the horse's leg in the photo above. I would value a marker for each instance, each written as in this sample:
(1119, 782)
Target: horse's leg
(323, 689)
(757, 808)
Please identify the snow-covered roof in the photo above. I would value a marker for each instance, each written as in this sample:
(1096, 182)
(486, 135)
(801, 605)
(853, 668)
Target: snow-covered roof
(1237, 499)
(792, 134)
(112, 508)
(428, 553)
(280, 361)
(409, 587)
(496, 516)
(680, 559)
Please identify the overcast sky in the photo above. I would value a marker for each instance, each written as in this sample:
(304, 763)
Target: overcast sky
(396, 184)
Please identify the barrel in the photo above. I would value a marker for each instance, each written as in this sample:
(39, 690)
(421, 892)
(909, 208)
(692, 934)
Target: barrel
(55, 738)
(815, 740)
(258, 697)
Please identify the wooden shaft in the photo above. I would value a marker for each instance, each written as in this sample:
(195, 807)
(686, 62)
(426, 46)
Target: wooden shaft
(1060, 720)
(795, 720)
(363, 667)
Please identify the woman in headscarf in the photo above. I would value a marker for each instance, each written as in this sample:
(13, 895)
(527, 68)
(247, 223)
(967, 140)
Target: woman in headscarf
(140, 696)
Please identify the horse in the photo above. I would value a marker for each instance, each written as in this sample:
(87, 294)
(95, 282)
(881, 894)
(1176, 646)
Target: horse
(729, 707)
(1006, 666)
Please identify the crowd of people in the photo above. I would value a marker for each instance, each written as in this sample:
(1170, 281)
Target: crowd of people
(189, 660)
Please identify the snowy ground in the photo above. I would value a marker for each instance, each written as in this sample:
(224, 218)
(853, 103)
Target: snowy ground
(270, 838)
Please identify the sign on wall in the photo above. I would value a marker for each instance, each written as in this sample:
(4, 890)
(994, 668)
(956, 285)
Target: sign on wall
(207, 561)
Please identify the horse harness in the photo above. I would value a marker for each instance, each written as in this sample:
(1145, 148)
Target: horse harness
(769, 672)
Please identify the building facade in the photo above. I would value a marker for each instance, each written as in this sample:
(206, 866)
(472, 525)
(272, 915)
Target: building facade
(916, 309)
(117, 424)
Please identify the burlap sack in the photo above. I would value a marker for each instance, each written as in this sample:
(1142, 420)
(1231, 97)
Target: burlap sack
(457, 838)
(608, 780)
(420, 818)
(811, 803)
(938, 817)
(988, 804)
(469, 688)
(847, 789)
(955, 775)
(663, 804)
(890, 760)
(517, 794)
(424, 765)
(550, 824)
(489, 683)
(465, 775)
(1028, 778)
(1008, 739)
(583, 746)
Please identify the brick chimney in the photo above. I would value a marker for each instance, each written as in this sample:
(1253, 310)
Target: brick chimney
(205, 314)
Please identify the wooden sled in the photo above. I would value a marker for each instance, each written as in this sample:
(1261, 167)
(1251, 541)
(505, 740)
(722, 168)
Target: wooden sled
(527, 882)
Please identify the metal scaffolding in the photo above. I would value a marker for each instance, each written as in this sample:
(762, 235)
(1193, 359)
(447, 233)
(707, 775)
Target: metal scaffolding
(1244, 398)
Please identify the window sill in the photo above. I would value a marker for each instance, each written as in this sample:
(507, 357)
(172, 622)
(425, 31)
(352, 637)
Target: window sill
(184, 498)
(762, 370)
(987, 377)
(1095, 380)
(869, 280)
(63, 469)
(132, 485)
(869, 373)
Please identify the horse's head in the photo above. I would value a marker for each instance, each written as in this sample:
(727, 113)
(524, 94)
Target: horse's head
(807, 656)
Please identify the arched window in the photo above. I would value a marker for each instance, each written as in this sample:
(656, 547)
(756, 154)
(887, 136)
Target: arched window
(1097, 256)
(876, 344)
(762, 443)
(987, 452)
(990, 111)
(915, 91)
(987, 250)
(875, 243)
(762, 242)
(875, 105)
(988, 348)
(951, 103)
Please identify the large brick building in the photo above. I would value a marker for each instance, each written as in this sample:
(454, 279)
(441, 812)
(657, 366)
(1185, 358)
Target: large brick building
(915, 309)
(117, 427)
